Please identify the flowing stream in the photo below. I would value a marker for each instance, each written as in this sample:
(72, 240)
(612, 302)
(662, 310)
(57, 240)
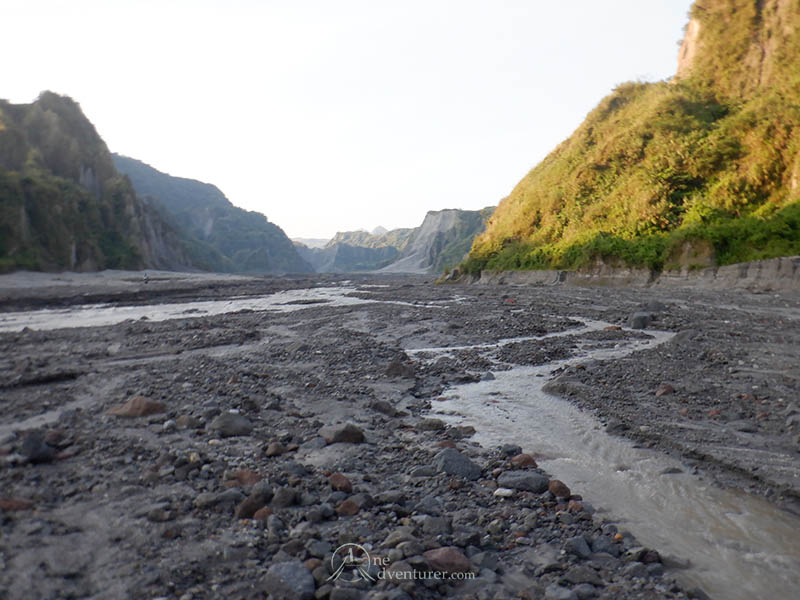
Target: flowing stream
(99, 315)
(741, 547)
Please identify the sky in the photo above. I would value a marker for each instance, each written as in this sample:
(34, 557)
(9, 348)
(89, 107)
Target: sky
(338, 115)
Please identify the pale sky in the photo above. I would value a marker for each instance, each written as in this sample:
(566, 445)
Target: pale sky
(333, 115)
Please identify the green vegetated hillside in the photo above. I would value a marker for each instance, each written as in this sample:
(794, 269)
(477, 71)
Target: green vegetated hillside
(219, 236)
(703, 169)
(63, 205)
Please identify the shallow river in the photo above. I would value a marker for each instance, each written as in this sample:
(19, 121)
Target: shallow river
(740, 547)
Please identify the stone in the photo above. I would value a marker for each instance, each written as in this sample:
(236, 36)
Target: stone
(575, 506)
(284, 497)
(275, 449)
(510, 450)
(403, 534)
(448, 559)
(523, 480)
(262, 514)
(384, 407)
(634, 569)
(585, 591)
(502, 492)
(160, 515)
(453, 462)
(188, 422)
(342, 434)
(345, 593)
(289, 581)
(665, 389)
(436, 525)
(523, 461)
(640, 320)
(744, 426)
(138, 406)
(36, 450)
(12, 504)
(248, 507)
(205, 500)
(583, 574)
(423, 471)
(410, 548)
(340, 483)
(231, 425)
(559, 489)
(348, 508)
(557, 592)
(578, 546)
(243, 477)
(399, 368)
(431, 425)
(616, 426)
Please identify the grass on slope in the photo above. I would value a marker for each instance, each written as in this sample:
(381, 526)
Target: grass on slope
(653, 167)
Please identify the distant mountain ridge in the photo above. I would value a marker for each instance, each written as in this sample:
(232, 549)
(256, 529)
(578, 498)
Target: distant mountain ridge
(442, 240)
(63, 205)
(220, 236)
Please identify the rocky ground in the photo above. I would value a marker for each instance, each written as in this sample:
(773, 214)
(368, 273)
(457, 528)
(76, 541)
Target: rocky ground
(230, 456)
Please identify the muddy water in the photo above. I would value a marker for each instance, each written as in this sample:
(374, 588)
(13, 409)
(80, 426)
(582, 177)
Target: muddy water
(740, 547)
(98, 315)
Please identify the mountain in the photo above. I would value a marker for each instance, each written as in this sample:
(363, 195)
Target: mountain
(63, 205)
(443, 239)
(699, 170)
(311, 242)
(220, 236)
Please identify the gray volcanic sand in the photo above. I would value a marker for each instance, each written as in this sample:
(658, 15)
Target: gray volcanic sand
(102, 506)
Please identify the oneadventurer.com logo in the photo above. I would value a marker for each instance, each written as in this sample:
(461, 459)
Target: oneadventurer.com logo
(352, 562)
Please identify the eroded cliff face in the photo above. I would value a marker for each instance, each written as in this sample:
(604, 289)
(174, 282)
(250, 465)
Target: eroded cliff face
(63, 205)
(442, 241)
(688, 50)
(739, 46)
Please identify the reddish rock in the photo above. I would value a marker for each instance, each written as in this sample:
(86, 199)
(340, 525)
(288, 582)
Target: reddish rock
(348, 508)
(446, 444)
(340, 483)
(138, 406)
(312, 563)
(684, 412)
(575, 506)
(262, 513)
(612, 328)
(243, 477)
(714, 412)
(523, 461)
(559, 489)
(9, 504)
(762, 415)
(248, 507)
(665, 389)
(455, 484)
(448, 559)
(275, 449)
